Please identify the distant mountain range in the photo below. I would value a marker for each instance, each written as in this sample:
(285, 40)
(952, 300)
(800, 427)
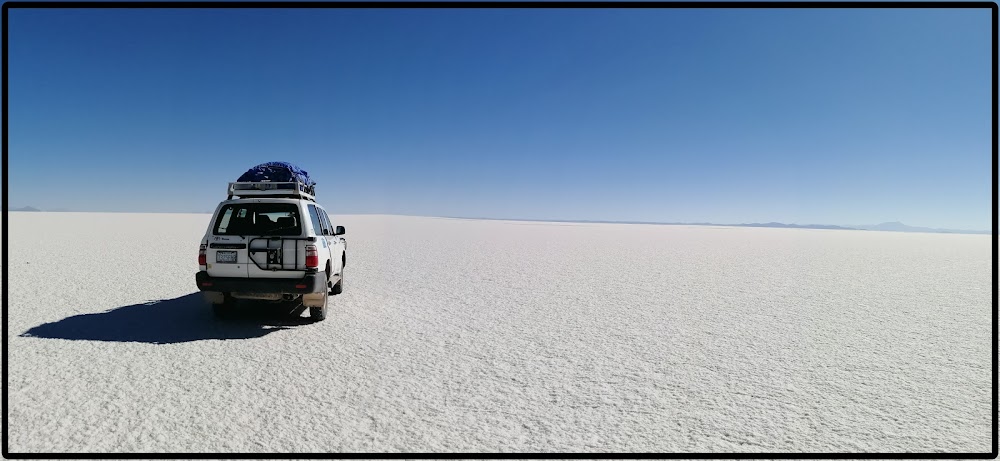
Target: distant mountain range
(897, 226)
(894, 226)
(886, 226)
(794, 226)
(66, 210)
(31, 208)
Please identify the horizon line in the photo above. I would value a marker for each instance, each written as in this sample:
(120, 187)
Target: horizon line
(772, 224)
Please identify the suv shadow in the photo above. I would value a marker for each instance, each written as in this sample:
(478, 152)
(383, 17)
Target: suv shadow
(178, 320)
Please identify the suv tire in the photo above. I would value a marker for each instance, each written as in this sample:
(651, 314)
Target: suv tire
(318, 314)
(225, 309)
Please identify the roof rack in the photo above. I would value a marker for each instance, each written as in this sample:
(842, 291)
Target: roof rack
(294, 189)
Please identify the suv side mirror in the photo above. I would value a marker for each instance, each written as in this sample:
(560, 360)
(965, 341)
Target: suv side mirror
(340, 231)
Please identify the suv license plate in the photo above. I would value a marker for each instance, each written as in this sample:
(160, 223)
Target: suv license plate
(225, 256)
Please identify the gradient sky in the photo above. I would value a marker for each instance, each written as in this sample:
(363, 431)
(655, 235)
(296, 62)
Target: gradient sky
(679, 115)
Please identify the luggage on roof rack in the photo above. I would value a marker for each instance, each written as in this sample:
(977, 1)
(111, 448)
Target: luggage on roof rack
(276, 172)
(274, 179)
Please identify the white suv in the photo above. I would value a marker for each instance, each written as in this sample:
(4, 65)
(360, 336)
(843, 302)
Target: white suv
(274, 243)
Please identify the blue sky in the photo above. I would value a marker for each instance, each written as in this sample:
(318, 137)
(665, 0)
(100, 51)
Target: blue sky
(723, 115)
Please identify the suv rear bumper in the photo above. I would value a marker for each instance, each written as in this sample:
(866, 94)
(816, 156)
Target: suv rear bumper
(311, 283)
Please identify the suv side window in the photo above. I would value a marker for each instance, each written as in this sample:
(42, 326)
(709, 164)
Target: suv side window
(316, 221)
(326, 219)
(327, 230)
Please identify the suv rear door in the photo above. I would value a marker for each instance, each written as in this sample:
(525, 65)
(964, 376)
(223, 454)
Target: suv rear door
(226, 254)
(257, 239)
(277, 248)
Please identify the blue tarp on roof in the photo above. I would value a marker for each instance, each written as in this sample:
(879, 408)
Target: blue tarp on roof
(276, 172)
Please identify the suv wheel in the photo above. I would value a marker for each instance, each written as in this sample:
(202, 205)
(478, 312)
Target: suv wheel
(225, 308)
(319, 313)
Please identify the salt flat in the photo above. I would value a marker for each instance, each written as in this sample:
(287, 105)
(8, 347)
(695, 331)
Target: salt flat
(500, 336)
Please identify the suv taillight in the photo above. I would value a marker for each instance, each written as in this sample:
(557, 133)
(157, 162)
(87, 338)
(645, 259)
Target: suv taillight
(202, 258)
(312, 257)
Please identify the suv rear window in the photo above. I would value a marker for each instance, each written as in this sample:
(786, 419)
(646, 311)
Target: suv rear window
(258, 219)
